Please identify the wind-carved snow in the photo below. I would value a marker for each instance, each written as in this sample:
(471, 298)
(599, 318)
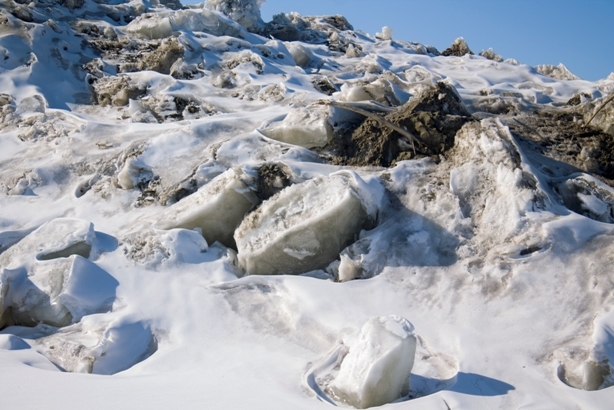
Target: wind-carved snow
(205, 144)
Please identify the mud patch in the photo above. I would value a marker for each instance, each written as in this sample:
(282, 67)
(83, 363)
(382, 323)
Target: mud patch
(434, 117)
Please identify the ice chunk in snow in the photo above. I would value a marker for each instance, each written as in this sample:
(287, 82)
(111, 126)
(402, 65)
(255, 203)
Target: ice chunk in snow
(244, 12)
(558, 72)
(217, 208)
(386, 33)
(92, 347)
(377, 368)
(59, 292)
(301, 55)
(134, 173)
(307, 127)
(305, 226)
(151, 26)
(57, 238)
(3, 311)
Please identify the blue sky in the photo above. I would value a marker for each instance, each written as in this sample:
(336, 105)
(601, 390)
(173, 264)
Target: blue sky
(577, 33)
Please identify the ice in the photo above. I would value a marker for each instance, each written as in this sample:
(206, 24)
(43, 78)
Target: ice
(217, 208)
(558, 72)
(59, 292)
(376, 370)
(3, 290)
(244, 12)
(305, 226)
(386, 33)
(99, 348)
(140, 115)
(58, 238)
(301, 55)
(134, 173)
(88, 289)
(307, 127)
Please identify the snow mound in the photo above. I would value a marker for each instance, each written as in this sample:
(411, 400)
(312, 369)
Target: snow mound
(305, 226)
(376, 370)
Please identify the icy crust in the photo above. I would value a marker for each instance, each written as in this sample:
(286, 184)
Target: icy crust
(216, 209)
(305, 226)
(377, 368)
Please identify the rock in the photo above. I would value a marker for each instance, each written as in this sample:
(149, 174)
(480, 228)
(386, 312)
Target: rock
(323, 85)
(589, 197)
(458, 48)
(377, 368)
(59, 292)
(491, 55)
(272, 178)
(305, 226)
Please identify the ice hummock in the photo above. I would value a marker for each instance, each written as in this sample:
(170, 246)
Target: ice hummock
(305, 226)
(376, 370)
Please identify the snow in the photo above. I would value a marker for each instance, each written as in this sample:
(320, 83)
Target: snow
(137, 243)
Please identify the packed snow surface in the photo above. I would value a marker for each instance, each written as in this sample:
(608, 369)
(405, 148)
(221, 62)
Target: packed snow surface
(194, 213)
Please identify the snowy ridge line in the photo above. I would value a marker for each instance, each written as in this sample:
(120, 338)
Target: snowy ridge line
(295, 214)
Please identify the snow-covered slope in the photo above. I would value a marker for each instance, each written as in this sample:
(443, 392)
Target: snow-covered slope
(200, 209)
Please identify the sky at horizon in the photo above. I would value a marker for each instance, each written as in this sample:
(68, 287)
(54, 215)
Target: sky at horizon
(577, 33)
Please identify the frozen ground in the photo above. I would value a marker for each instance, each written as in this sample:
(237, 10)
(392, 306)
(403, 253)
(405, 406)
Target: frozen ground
(159, 164)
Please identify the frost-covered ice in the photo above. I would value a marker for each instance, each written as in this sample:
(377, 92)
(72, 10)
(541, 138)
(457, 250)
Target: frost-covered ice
(158, 162)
